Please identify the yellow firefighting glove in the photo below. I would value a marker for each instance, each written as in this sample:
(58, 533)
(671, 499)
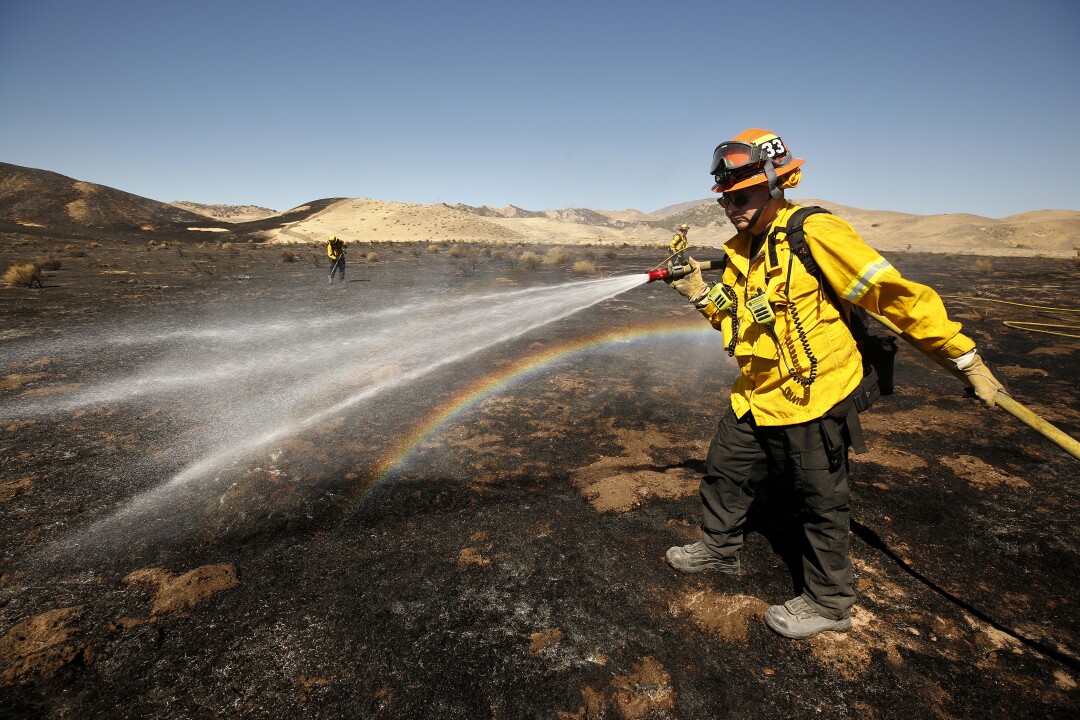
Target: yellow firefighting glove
(692, 287)
(981, 380)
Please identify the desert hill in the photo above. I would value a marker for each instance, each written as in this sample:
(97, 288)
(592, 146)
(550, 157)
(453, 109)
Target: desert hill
(228, 213)
(41, 199)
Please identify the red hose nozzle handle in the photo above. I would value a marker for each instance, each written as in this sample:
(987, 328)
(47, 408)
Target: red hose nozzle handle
(659, 274)
(667, 274)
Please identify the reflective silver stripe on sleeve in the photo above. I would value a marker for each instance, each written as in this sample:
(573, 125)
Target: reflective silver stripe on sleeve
(865, 279)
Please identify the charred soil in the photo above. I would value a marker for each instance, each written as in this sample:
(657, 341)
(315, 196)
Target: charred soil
(490, 542)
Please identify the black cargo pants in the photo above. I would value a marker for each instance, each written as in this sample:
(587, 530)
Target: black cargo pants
(812, 458)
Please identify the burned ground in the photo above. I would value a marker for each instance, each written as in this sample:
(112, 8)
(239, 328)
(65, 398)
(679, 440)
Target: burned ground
(489, 542)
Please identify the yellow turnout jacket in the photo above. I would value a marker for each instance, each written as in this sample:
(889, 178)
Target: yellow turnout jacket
(334, 248)
(859, 275)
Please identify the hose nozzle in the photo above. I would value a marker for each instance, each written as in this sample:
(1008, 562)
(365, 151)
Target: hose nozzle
(661, 273)
(676, 272)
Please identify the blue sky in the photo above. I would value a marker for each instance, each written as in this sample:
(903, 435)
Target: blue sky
(917, 106)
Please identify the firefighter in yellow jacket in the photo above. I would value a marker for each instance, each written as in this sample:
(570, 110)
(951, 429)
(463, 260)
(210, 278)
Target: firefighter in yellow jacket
(335, 250)
(792, 404)
(679, 242)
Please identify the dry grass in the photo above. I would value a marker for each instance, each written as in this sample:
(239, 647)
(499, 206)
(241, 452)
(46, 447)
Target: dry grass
(49, 262)
(372, 257)
(555, 256)
(24, 274)
(456, 251)
(528, 261)
(585, 266)
(984, 265)
(433, 248)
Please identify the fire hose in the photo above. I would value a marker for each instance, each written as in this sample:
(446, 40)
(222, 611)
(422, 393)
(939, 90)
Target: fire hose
(1059, 437)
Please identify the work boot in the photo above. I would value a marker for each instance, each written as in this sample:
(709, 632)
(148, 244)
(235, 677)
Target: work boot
(796, 619)
(697, 558)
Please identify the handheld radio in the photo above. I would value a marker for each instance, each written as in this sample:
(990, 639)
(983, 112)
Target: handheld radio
(760, 308)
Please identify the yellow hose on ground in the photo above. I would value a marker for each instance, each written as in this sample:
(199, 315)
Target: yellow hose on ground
(1031, 327)
(1023, 324)
(1063, 440)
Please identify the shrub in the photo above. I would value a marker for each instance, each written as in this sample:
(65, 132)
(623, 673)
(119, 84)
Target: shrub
(433, 248)
(467, 265)
(584, 266)
(26, 274)
(456, 251)
(555, 256)
(95, 244)
(372, 257)
(288, 256)
(984, 265)
(528, 260)
(49, 262)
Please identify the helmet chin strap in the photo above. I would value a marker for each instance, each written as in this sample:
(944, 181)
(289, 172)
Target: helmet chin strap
(774, 192)
(758, 213)
(770, 175)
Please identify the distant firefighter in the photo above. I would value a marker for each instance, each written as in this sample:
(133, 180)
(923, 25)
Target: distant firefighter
(335, 249)
(679, 243)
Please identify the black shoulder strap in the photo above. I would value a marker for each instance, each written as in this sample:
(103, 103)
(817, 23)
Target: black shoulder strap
(855, 318)
(796, 238)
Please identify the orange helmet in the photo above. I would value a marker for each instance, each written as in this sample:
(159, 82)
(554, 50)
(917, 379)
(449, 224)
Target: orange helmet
(750, 158)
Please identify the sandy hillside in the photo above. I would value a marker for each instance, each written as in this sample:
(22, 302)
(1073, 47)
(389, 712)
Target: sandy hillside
(1053, 233)
(365, 220)
(40, 199)
(628, 215)
(228, 213)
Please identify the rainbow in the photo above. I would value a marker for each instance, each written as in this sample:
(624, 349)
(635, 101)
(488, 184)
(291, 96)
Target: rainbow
(530, 366)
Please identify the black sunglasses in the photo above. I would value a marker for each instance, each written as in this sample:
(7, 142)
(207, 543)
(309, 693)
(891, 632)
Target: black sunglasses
(737, 200)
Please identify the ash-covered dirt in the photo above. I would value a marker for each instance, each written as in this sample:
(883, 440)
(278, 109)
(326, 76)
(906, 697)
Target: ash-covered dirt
(509, 563)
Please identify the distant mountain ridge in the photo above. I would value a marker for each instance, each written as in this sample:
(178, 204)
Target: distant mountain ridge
(574, 215)
(43, 202)
(228, 213)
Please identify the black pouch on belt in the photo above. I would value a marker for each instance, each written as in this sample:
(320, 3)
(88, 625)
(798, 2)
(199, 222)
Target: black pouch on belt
(841, 429)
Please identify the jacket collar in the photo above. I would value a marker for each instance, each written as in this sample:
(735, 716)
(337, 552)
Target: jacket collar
(738, 247)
